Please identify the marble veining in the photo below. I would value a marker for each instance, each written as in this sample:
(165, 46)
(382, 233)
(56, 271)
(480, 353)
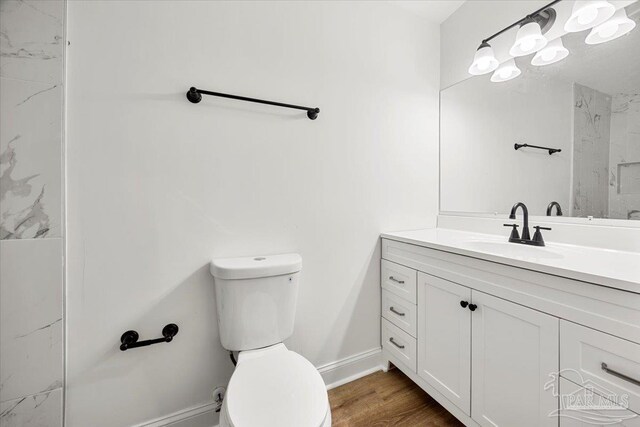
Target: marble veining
(31, 221)
(591, 130)
(624, 202)
(33, 51)
(31, 329)
(43, 409)
(31, 176)
(30, 160)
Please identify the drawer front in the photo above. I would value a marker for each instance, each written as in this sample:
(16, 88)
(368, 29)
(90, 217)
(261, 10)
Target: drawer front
(399, 280)
(588, 356)
(399, 343)
(399, 311)
(601, 411)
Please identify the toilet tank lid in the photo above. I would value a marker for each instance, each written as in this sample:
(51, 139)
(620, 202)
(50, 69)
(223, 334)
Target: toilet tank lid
(255, 266)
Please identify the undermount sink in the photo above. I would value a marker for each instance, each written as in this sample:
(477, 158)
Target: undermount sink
(512, 249)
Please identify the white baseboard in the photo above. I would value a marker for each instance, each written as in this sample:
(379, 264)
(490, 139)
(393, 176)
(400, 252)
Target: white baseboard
(351, 368)
(334, 375)
(196, 416)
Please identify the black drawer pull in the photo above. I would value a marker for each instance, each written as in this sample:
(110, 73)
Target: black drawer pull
(396, 280)
(396, 312)
(395, 343)
(619, 375)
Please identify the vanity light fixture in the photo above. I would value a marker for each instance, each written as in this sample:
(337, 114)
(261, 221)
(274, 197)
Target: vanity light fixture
(587, 14)
(529, 39)
(484, 60)
(617, 26)
(554, 51)
(506, 71)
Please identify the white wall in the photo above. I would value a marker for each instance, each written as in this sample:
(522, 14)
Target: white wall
(158, 186)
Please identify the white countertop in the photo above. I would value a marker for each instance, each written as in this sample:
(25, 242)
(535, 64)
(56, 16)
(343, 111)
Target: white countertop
(605, 267)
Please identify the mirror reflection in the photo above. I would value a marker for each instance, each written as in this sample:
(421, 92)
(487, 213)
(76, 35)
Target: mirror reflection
(585, 108)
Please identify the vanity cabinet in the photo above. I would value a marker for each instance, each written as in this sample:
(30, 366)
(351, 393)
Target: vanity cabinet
(514, 351)
(498, 345)
(444, 338)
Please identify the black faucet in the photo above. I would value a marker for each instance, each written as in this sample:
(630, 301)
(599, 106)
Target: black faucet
(558, 209)
(525, 213)
(526, 237)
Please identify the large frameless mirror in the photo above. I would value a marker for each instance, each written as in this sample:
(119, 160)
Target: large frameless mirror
(584, 113)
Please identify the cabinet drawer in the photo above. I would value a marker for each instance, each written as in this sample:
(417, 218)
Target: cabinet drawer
(588, 356)
(399, 343)
(399, 280)
(601, 411)
(399, 311)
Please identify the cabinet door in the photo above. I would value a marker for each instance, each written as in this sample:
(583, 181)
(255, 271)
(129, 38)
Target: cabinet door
(515, 350)
(444, 338)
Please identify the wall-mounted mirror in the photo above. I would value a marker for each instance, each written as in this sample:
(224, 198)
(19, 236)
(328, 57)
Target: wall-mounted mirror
(587, 105)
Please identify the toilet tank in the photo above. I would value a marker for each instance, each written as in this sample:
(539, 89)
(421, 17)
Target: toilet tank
(256, 299)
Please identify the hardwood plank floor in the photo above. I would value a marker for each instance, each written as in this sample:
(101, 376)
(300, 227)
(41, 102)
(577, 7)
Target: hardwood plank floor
(386, 399)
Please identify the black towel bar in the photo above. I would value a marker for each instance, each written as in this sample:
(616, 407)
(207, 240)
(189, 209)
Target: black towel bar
(550, 150)
(195, 95)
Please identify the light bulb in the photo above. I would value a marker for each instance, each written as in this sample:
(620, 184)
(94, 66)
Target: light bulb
(617, 26)
(483, 64)
(547, 55)
(608, 29)
(587, 15)
(527, 44)
(554, 51)
(484, 61)
(506, 71)
(529, 39)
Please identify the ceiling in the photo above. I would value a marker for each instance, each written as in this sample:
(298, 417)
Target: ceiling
(436, 11)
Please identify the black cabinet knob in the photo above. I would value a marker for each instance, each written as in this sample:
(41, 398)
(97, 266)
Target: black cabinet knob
(472, 307)
(464, 304)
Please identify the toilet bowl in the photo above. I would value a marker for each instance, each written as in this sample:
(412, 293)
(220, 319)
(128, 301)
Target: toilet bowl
(271, 385)
(275, 387)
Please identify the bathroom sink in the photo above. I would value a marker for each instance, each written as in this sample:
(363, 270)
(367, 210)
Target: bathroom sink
(515, 250)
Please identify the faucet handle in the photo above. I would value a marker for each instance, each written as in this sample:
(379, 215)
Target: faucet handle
(537, 236)
(514, 232)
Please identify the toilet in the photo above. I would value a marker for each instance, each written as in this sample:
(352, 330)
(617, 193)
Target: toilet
(271, 386)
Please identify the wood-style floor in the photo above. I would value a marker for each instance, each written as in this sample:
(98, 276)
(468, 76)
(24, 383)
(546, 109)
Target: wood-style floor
(386, 399)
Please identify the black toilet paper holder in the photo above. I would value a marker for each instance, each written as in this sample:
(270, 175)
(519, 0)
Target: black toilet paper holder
(130, 338)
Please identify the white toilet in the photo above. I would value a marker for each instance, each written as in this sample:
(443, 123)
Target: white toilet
(271, 385)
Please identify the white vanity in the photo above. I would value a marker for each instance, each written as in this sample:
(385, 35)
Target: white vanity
(499, 333)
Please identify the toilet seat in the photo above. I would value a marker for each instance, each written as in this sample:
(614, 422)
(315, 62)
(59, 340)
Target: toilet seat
(275, 387)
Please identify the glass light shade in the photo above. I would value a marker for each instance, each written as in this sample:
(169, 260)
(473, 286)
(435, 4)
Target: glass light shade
(554, 51)
(484, 61)
(506, 71)
(528, 40)
(587, 14)
(617, 26)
